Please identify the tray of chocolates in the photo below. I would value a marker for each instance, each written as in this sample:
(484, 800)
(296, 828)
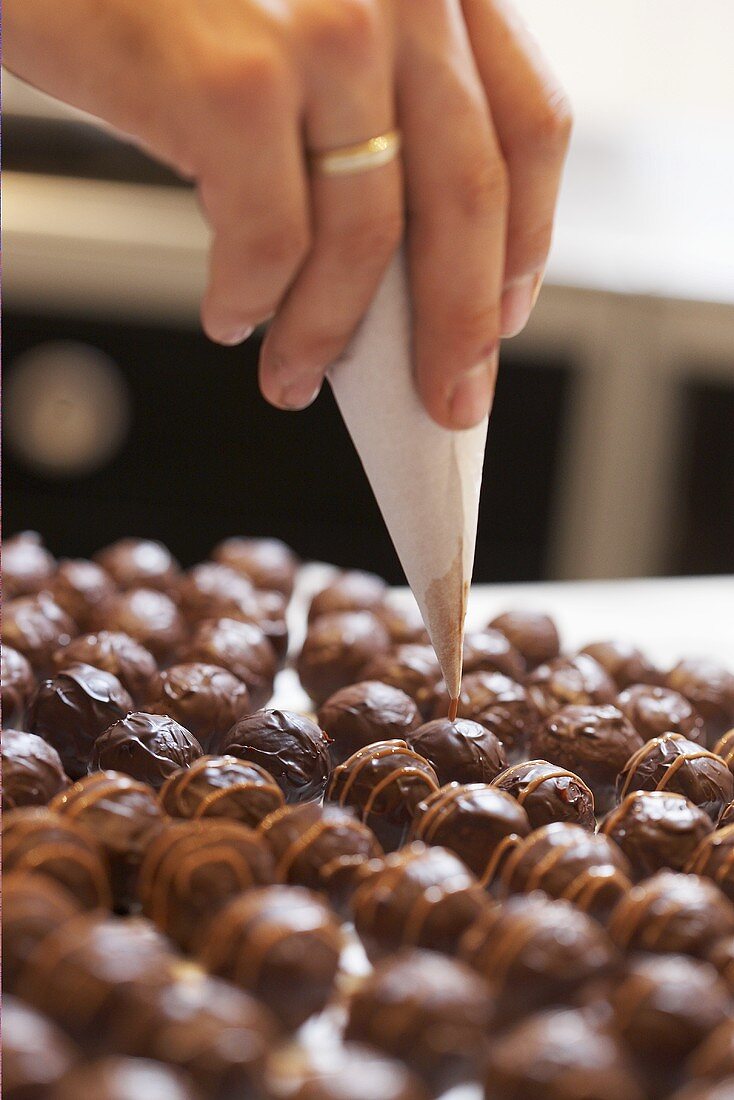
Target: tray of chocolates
(249, 856)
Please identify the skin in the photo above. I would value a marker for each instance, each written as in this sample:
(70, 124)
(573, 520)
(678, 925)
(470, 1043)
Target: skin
(231, 92)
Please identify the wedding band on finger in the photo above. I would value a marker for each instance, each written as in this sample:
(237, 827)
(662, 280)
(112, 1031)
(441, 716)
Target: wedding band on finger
(363, 156)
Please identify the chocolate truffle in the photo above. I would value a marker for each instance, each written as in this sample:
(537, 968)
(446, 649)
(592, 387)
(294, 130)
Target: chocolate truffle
(714, 858)
(413, 669)
(384, 782)
(417, 897)
(270, 615)
(559, 1054)
(139, 563)
(18, 683)
(241, 648)
(123, 815)
(33, 906)
(27, 565)
(657, 829)
(149, 616)
(353, 590)
(321, 847)
(221, 786)
(532, 633)
(440, 1013)
(536, 952)
(548, 793)
(671, 912)
(268, 563)
(192, 868)
(288, 746)
(116, 653)
(724, 748)
(363, 713)
(39, 840)
(32, 770)
(459, 752)
(655, 710)
(214, 591)
(498, 703)
(280, 943)
(36, 1053)
(404, 623)
(490, 651)
(710, 688)
(578, 680)
(625, 663)
(348, 1071)
(207, 700)
(83, 590)
(566, 861)
(72, 708)
(149, 747)
(36, 626)
(713, 1059)
(477, 822)
(337, 648)
(673, 763)
(595, 742)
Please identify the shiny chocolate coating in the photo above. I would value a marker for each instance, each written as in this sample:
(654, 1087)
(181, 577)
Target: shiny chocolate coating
(714, 858)
(383, 782)
(417, 897)
(147, 615)
(672, 763)
(672, 913)
(724, 748)
(363, 713)
(655, 710)
(500, 704)
(548, 793)
(149, 747)
(27, 565)
(292, 748)
(72, 708)
(118, 1078)
(336, 650)
(440, 1013)
(83, 589)
(207, 700)
(560, 1054)
(578, 681)
(348, 1071)
(490, 650)
(353, 590)
(36, 627)
(193, 868)
(33, 906)
(721, 957)
(36, 1053)
(567, 862)
(241, 648)
(124, 816)
(117, 653)
(532, 633)
(713, 1059)
(268, 563)
(479, 823)
(32, 770)
(593, 741)
(404, 623)
(39, 840)
(625, 663)
(710, 688)
(139, 563)
(212, 591)
(321, 847)
(280, 943)
(727, 817)
(536, 952)
(221, 786)
(413, 669)
(459, 752)
(657, 829)
(17, 682)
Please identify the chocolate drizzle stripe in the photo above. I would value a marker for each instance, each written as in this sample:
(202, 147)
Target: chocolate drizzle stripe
(642, 753)
(388, 780)
(431, 821)
(91, 862)
(388, 875)
(506, 948)
(50, 953)
(507, 844)
(79, 799)
(221, 793)
(356, 764)
(298, 846)
(584, 889)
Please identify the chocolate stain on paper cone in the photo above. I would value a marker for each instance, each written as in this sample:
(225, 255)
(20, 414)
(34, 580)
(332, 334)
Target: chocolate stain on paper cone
(446, 600)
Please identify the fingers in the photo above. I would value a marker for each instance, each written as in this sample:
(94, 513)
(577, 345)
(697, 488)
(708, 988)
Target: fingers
(356, 219)
(456, 192)
(533, 123)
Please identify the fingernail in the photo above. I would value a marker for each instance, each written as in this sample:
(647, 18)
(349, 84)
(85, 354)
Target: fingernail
(472, 396)
(235, 336)
(299, 394)
(517, 303)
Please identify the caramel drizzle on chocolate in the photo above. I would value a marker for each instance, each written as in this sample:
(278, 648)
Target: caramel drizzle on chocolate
(502, 951)
(177, 784)
(298, 846)
(365, 757)
(638, 757)
(534, 784)
(88, 860)
(582, 889)
(435, 816)
(50, 953)
(629, 914)
(92, 790)
(706, 852)
(501, 852)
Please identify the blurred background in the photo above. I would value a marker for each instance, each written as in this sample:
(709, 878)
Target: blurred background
(611, 445)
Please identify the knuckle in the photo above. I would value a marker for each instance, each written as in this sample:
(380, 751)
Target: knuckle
(482, 188)
(550, 125)
(239, 84)
(346, 30)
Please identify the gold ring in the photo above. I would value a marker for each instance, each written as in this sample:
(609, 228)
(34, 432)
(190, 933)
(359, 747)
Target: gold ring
(349, 159)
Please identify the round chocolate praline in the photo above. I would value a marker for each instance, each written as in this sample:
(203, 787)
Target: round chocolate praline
(221, 786)
(384, 783)
(18, 683)
(655, 710)
(532, 633)
(36, 1053)
(459, 752)
(336, 1072)
(292, 748)
(672, 913)
(116, 1078)
(32, 770)
(242, 648)
(440, 1013)
(673, 763)
(149, 747)
(117, 653)
(490, 651)
(33, 906)
(363, 713)
(548, 793)
(83, 589)
(578, 681)
(207, 700)
(500, 704)
(36, 627)
(267, 563)
(72, 708)
(211, 590)
(413, 669)
(625, 663)
(139, 563)
(593, 741)
(149, 616)
(714, 858)
(724, 748)
(280, 943)
(353, 590)
(657, 829)
(337, 647)
(710, 688)
(27, 565)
